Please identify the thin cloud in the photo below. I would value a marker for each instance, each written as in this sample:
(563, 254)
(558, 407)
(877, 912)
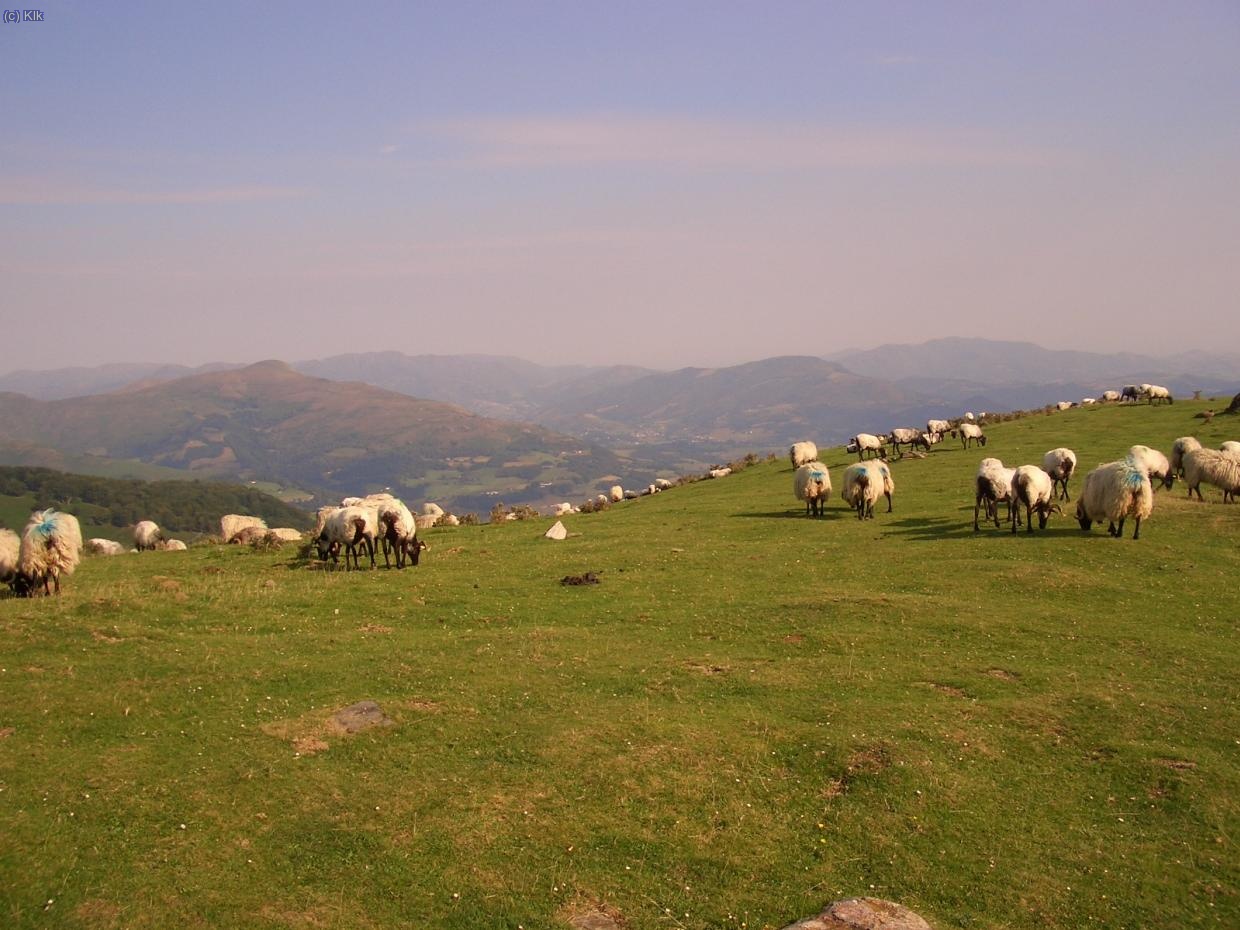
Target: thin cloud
(535, 141)
(47, 192)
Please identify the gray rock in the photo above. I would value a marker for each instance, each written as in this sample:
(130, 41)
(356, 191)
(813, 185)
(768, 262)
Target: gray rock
(361, 716)
(863, 914)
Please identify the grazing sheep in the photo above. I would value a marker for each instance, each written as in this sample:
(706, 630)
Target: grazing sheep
(430, 509)
(563, 508)
(425, 521)
(1221, 469)
(146, 536)
(616, 494)
(398, 531)
(249, 534)
(1131, 392)
(231, 523)
(1110, 397)
(662, 484)
(1060, 464)
(971, 433)
(1034, 488)
(1114, 492)
(347, 529)
(905, 436)
(938, 426)
(1156, 392)
(51, 546)
(812, 484)
(1154, 463)
(1230, 446)
(868, 442)
(802, 452)
(1088, 401)
(172, 545)
(1180, 448)
(992, 487)
(631, 495)
(448, 519)
(99, 546)
(864, 483)
(10, 545)
(721, 472)
(1063, 405)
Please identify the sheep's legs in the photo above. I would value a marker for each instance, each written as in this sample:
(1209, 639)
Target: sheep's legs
(1136, 534)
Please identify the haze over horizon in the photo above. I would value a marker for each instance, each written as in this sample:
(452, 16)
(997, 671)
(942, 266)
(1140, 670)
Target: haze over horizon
(657, 185)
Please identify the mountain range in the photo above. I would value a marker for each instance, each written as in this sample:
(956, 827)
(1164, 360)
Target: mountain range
(473, 428)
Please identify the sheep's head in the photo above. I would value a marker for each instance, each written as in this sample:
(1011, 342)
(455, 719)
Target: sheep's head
(415, 550)
(982, 439)
(1082, 517)
(1044, 512)
(1168, 480)
(24, 585)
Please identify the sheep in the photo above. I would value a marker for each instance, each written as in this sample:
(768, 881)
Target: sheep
(968, 417)
(616, 494)
(905, 436)
(1114, 492)
(1154, 463)
(1180, 448)
(1060, 464)
(1110, 397)
(801, 453)
(1034, 488)
(631, 495)
(1131, 393)
(938, 426)
(286, 534)
(1230, 446)
(350, 501)
(1156, 392)
(430, 509)
(662, 484)
(971, 433)
(868, 442)
(10, 545)
(812, 484)
(249, 534)
(448, 519)
(100, 546)
(1221, 469)
(992, 487)
(398, 531)
(1063, 405)
(231, 523)
(563, 508)
(51, 546)
(864, 482)
(146, 536)
(425, 521)
(172, 545)
(1088, 401)
(348, 528)
(721, 472)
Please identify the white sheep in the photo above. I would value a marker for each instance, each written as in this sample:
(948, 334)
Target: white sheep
(398, 531)
(1156, 392)
(146, 535)
(1110, 397)
(802, 452)
(231, 523)
(1180, 448)
(172, 545)
(1114, 492)
(10, 545)
(1063, 405)
(99, 546)
(448, 519)
(864, 483)
(938, 426)
(631, 495)
(1088, 401)
(51, 546)
(812, 484)
(348, 528)
(563, 508)
(868, 442)
(431, 509)
(992, 487)
(662, 484)
(1060, 464)
(1230, 446)
(968, 417)
(616, 494)
(1034, 488)
(285, 534)
(1155, 465)
(971, 433)
(721, 472)
(1221, 469)
(350, 501)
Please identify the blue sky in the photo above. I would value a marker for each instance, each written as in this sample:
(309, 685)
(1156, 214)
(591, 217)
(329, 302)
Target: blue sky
(651, 183)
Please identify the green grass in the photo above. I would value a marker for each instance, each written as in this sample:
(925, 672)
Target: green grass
(753, 714)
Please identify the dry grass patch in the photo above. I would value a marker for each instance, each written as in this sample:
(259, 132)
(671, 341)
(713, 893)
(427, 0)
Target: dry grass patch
(592, 915)
(98, 914)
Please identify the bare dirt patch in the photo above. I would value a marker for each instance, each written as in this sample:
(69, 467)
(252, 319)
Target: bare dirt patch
(6, 732)
(794, 639)
(948, 689)
(1179, 765)
(105, 638)
(311, 732)
(593, 915)
(1002, 674)
(707, 669)
(98, 914)
(869, 760)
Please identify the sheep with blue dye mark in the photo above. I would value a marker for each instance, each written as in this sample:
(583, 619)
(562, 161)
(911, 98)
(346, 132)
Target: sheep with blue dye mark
(802, 452)
(1060, 464)
(864, 484)
(1114, 492)
(812, 484)
(51, 547)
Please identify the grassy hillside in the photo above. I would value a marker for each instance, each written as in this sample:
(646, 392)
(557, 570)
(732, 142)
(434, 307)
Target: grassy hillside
(107, 507)
(752, 714)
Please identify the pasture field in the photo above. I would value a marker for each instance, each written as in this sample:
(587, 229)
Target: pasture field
(754, 713)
